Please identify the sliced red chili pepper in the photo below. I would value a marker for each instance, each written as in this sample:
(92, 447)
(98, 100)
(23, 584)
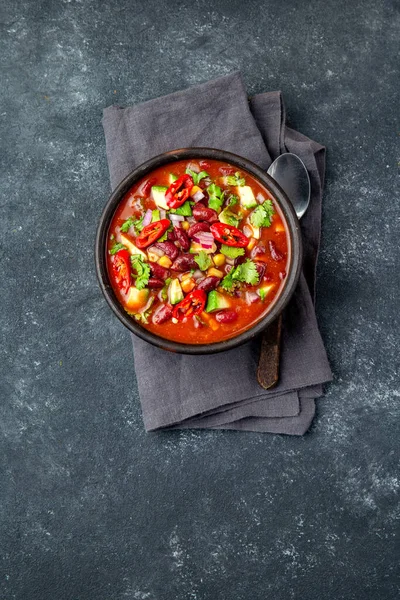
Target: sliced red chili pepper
(229, 235)
(178, 192)
(122, 270)
(152, 232)
(191, 305)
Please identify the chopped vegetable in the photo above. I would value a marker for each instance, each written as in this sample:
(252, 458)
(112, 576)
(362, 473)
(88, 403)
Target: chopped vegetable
(116, 247)
(217, 301)
(197, 177)
(235, 179)
(126, 225)
(178, 192)
(229, 235)
(247, 198)
(151, 233)
(128, 242)
(231, 252)
(246, 273)
(190, 306)
(203, 260)
(262, 215)
(142, 272)
(122, 270)
(216, 197)
(185, 210)
(229, 218)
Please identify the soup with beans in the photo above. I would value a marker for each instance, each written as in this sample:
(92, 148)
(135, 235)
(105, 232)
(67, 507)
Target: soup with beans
(197, 251)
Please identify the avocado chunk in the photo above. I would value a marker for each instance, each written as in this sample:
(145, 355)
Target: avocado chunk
(229, 218)
(247, 199)
(217, 301)
(155, 215)
(175, 293)
(158, 195)
(172, 178)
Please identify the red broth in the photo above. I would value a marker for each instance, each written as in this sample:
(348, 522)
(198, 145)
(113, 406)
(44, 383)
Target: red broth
(231, 304)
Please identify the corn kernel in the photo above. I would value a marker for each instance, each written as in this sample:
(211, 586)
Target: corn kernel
(186, 275)
(251, 244)
(185, 225)
(213, 324)
(195, 189)
(165, 262)
(219, 260)
(187, 285)
(212, 272)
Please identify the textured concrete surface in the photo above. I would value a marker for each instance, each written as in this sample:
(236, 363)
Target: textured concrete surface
(92, 508)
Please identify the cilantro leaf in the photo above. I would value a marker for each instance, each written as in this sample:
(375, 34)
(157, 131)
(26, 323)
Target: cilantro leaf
(262, 215)
(216, 197)
(116, 247)
(203, 260)
(197, 177)
(126, 225)
(235, 179)
(138, 225)
(246, 272)
(142, 271)
(232, 252)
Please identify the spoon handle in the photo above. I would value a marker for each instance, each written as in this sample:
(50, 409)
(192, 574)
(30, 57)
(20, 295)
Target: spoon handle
(268, 363)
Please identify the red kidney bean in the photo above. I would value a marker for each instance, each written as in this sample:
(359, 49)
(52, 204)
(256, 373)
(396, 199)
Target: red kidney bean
(240, 260)
(257, 250)
(182, 239)
(226, 316)
(154, 282)
(146, 188)
(169, 248)
(162, 314)
(260, 266)
(171, 236)
(198, 227)
(158, 271)
(184, 263)
(208, 284)
(204, 165)
(275, 253)
(202, 213)
(227, 170)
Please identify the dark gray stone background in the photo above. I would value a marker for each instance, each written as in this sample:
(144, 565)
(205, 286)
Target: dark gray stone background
(92, 508)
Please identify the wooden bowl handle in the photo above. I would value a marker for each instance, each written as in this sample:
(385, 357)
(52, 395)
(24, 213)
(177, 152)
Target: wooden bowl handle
(268, 364)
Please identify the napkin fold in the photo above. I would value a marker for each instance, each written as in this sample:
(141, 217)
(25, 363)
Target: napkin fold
(221, 390)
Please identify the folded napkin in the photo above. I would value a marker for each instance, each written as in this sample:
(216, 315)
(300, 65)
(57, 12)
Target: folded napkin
(221, 390)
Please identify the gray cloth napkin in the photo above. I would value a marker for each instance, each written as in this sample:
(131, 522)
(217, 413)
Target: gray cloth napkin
(221, 390)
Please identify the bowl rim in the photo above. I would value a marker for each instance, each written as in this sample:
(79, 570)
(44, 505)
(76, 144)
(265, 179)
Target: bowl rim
(198, 153)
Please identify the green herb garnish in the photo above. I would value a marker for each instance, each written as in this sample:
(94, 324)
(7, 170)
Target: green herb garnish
(203, 260)
(116, 247)
(233, 200)
(197, 177)
(142, 271)
(245, 273)
(235, 179)
(262, 294)
(216, 197)
(144, 316)
(262, 215)
(232, 252)
(185, 210)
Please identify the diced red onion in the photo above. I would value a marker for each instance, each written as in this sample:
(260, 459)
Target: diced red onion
(230, 261)
(196, 323)
(260, 198)
(204, 237)
(193, 167)
(191, 220)
(163, 213)
(156, 250)
(198, 196)
(247, 231)
(251, 297)
(176, 219)
(147, 217)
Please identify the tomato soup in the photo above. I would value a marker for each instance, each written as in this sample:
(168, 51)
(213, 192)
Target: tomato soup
(197, 251)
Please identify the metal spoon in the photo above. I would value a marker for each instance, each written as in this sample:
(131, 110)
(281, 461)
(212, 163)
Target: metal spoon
(290, 173)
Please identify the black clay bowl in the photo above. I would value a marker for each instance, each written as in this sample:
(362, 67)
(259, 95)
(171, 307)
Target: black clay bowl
(295, 249)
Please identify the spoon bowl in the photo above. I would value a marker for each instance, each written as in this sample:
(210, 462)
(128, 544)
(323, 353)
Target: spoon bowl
(291, 174)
